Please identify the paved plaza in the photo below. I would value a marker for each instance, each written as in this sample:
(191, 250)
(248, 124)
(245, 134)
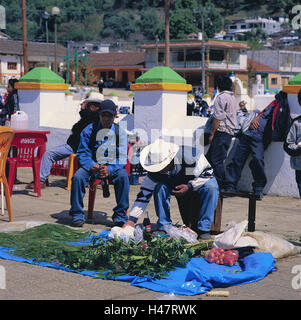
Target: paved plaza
(277, 215)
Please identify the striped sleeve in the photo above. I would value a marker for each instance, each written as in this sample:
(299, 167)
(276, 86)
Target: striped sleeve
(143, 198)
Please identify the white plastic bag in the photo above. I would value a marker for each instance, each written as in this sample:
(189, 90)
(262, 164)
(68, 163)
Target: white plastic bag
(277, 246)
(232, 237)
(177, 233)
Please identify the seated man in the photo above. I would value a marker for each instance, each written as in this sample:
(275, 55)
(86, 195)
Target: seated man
(88, 114)
(251, 140)
(173, 171)
(102, 154)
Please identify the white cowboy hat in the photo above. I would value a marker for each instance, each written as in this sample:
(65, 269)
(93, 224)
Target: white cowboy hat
(95, 97)
(158, 155)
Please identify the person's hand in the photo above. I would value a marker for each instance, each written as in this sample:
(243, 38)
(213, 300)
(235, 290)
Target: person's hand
(255, 123)
(180, 190)
(299, 144)
(211, 138)
(104, 172)
(95, 167)
(128, 223)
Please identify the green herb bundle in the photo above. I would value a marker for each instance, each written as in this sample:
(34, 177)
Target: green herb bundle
(153, 257)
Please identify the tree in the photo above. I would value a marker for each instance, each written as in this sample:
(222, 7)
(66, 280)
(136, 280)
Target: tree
(149, 24)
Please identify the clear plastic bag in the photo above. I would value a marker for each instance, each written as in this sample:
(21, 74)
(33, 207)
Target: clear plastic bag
(177, 233)
(138, 233)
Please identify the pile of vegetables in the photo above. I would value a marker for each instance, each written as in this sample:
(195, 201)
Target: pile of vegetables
(219, 256)
(84, 250)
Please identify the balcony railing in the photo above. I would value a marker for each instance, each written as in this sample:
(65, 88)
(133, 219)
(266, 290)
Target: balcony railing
(198, 64)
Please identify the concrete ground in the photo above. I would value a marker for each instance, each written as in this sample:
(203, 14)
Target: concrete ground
(277, 215)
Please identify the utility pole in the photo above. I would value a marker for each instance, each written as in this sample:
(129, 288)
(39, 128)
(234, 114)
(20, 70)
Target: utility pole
(157, 54)
(25, 54)
(203, 58)
(167, 62)
(202, 48)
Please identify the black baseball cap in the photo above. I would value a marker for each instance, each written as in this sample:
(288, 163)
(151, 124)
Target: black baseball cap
(107, 106)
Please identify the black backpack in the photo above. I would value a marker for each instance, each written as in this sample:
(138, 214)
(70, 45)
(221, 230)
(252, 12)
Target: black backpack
(289, 151)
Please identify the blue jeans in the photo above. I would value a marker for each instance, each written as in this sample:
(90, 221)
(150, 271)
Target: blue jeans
(246, 146)
(207, 196)
(298, 180)
(51, 156)
(80, 182)
(217, 154)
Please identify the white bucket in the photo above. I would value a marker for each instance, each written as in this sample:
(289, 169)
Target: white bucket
(19, 121)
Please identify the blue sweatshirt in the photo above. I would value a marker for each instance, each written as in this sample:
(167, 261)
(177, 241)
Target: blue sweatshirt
(103, 149)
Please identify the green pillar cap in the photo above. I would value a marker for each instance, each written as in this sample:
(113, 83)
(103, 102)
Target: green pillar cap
(161, 75)
(296, 80)
(42, 75)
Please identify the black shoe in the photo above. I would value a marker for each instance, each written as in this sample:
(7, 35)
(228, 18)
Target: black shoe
(204, 235)
(258, 195)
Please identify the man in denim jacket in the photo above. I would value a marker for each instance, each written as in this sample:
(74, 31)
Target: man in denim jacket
(102, 154)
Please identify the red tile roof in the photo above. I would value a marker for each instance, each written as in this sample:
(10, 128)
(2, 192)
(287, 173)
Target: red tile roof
(198, 43)
(260, 67)
(116, 59)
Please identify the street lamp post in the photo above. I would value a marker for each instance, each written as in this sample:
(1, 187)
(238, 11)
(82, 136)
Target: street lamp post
(55, 12)
(46, 17)
(202, 48)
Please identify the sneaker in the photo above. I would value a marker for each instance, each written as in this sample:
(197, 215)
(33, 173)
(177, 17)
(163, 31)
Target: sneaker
(78, 223)
(258, 195)
(204, 235)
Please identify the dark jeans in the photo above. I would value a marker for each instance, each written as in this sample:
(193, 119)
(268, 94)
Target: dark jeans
(80, 182)
(298, 180)
(217, 154)
(246, 146)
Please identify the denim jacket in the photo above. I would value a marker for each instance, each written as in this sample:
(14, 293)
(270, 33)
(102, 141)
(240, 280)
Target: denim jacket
(104, 151)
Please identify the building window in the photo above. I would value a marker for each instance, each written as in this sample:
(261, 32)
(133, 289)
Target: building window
(193, 55)
(233, 27)
(274, 81)
(11, 65)
(217, 55)
(243, 26)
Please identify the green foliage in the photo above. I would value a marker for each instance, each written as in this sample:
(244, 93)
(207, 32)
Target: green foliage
(124, 19)
(152, 257)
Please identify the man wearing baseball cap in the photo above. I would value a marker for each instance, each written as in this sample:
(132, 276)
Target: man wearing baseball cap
(102, 154)
(88, 114)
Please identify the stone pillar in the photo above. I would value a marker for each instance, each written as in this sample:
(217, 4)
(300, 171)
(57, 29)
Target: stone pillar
(161, 105)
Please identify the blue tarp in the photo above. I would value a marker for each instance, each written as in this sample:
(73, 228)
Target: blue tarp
(199, 276)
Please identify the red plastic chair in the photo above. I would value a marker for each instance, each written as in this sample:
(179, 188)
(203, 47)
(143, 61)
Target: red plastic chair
(29, 148)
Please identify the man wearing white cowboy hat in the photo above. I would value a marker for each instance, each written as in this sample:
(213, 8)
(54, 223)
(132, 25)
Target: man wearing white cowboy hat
(88, 114)
(181, 172)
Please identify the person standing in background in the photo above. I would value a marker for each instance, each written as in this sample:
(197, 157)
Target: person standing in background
(223, 126)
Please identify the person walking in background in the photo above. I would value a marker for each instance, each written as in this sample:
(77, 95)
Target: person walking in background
(10, 102)
(223, 126)
(190, 105)
(292, 146)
